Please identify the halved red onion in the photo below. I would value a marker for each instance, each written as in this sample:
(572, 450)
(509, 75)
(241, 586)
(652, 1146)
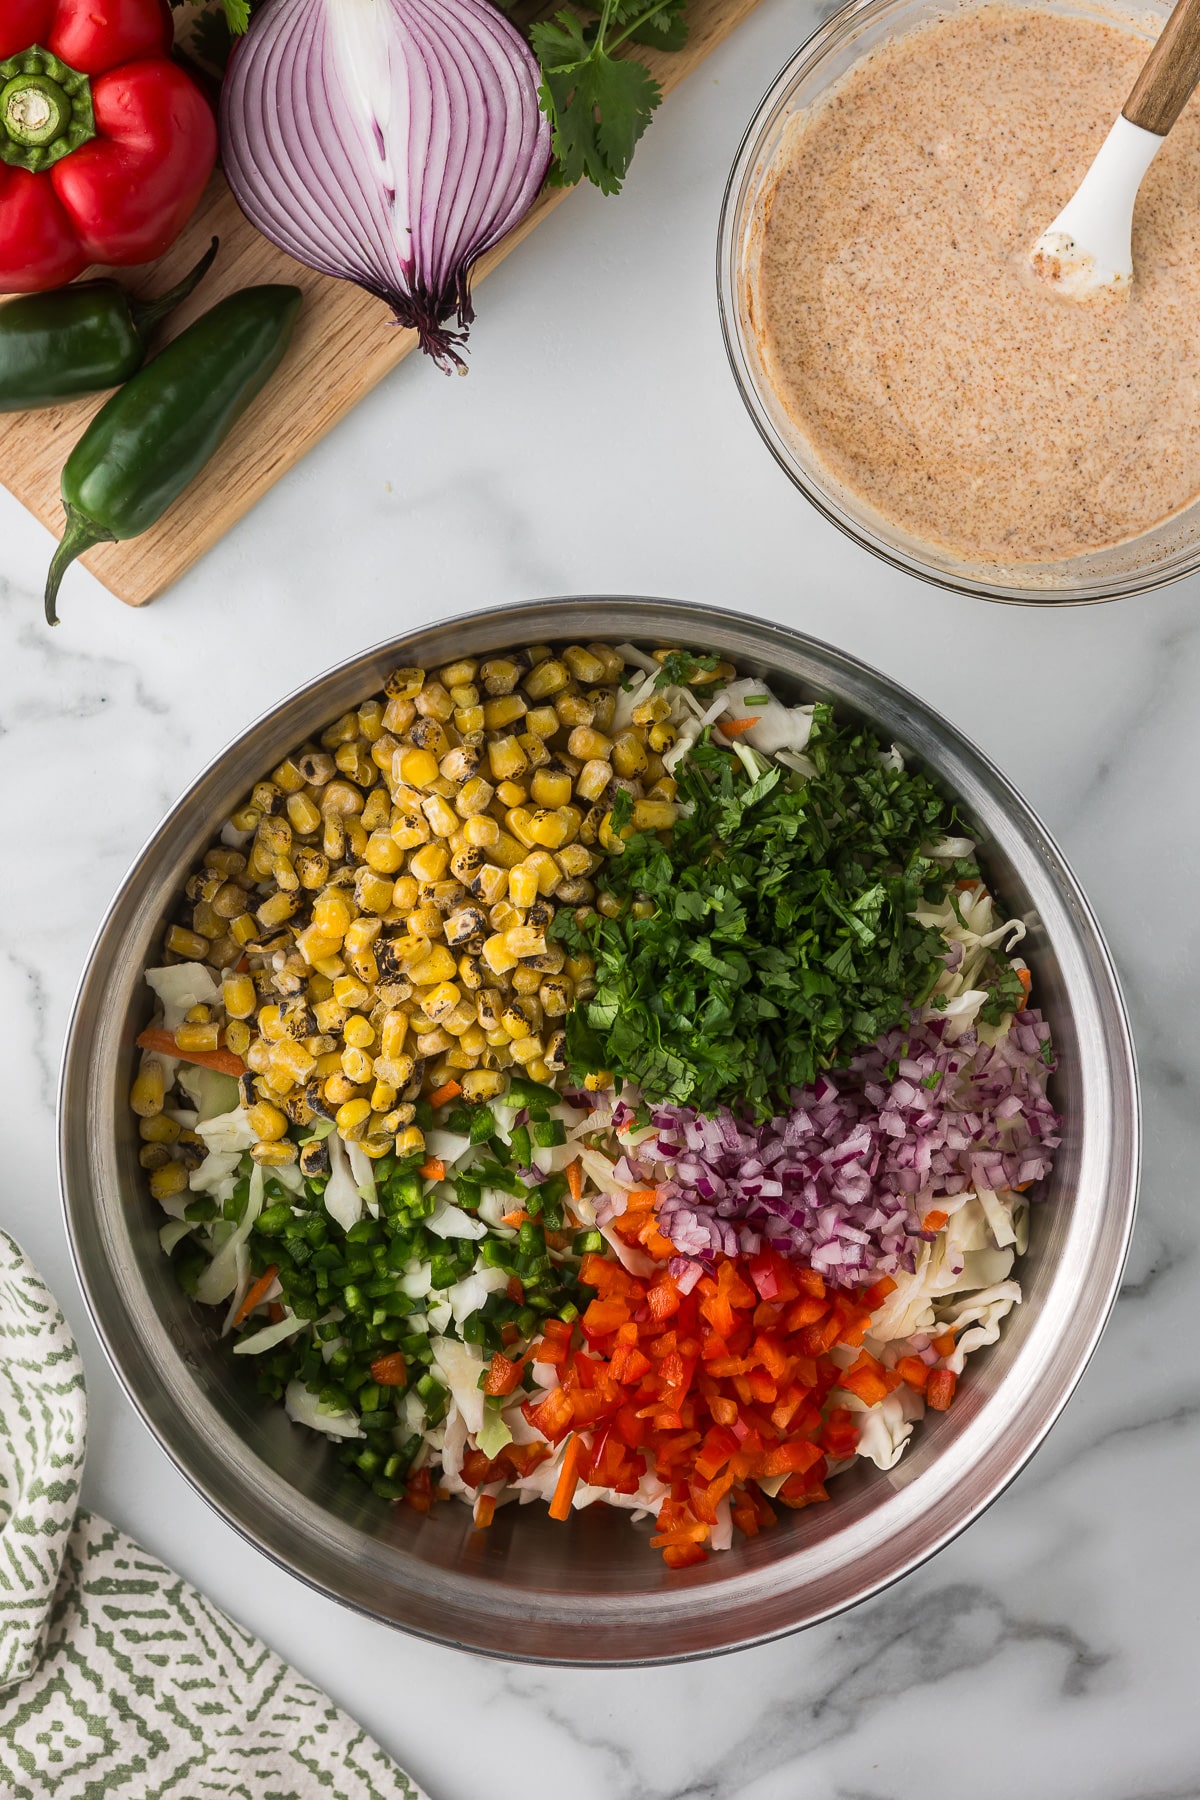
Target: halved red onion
(389, 143)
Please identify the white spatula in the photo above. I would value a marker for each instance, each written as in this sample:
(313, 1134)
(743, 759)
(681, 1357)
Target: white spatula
(1088, 249)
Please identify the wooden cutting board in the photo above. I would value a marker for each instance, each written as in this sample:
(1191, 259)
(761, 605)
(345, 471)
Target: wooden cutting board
(343, 346)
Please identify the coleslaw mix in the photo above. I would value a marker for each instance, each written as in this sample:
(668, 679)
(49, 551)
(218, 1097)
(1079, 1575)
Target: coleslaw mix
(756, 1198)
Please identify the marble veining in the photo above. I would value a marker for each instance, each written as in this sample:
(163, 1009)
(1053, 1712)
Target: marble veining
(1050, 1652)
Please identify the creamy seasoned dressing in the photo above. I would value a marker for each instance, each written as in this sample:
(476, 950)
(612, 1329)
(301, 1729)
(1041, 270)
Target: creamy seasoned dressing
(904, 331)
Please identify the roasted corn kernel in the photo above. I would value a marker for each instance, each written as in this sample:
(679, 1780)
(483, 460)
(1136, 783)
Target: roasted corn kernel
(170, 1179)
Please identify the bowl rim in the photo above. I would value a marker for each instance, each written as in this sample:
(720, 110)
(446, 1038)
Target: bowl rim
(81, 1201)
(1177, 567)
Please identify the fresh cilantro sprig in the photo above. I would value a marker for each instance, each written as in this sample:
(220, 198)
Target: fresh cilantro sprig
(213, 29)
(597, 102)
(781, 939)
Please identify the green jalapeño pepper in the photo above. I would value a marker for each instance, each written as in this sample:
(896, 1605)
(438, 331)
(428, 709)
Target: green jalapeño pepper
(78, 340)
(150, 441)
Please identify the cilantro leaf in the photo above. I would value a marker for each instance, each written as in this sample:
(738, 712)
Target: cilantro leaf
(681, 667)
(599, 105)
(779, 938)
(213, 30)
(1006, 992)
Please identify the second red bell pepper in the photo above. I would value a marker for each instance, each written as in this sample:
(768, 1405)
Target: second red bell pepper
(105, 144)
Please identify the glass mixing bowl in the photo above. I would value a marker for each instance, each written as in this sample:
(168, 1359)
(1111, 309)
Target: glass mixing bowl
(1165, 554)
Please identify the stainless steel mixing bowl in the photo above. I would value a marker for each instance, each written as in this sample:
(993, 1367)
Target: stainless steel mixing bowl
(592, 1591)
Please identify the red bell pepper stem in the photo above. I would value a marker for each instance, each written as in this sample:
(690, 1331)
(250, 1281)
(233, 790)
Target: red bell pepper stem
(45, 111)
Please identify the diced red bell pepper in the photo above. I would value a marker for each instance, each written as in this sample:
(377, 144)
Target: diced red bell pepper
(662, 1297)
(794, 1458)
(914, 1371)
(815, 1340)
(865, 1378)
(502, 1376)
(476, 1468)
(719, 1445)
(839, 1434)
(939, 1391)
(680, 1556)
(418, 1491)
(552, 1416)
(603, 1316)
(389, 1371)
(607, 1276)
(761, 1270)
(878, 1292)
(762, 1388)
(807, 1311)
(627, 1365)
(771, 1355)
(523, 1458)
(630, 1427)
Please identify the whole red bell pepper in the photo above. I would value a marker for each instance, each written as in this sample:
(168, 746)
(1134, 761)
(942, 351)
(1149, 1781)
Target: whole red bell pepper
(105, 145)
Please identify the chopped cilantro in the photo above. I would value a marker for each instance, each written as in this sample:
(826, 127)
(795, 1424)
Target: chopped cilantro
(682, 667)
(781, 939)
(1005, 992)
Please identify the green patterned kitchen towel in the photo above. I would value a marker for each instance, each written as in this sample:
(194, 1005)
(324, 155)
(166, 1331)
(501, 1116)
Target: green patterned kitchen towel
(119, 1681)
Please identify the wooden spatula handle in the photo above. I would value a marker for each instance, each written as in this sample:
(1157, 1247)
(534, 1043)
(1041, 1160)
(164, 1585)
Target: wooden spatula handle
(1171, 72)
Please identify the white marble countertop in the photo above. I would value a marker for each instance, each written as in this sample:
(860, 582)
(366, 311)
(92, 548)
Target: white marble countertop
(599, 446)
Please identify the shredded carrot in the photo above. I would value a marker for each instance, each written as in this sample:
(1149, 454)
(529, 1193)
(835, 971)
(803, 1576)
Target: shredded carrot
(485, 1511)
(517, 1217)
(433, 1169)
(734, 727)
(934, 1220)
(255, 1293)
(575, 1179)
(568, 1479)
(449, 1090)
(1025, 977)
(275, 1313)
(224, 1061)
(944, 1345)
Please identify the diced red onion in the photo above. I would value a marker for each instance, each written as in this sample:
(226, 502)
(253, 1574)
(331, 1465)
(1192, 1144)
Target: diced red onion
(861, 1158)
